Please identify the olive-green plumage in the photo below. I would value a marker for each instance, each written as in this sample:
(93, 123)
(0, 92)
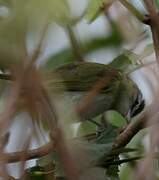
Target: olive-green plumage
(118, 93)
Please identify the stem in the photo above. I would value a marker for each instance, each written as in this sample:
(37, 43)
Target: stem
(133, 10)
(30, 154)
(37, 52)
(151, 8)
(149, 117)
(75, 44)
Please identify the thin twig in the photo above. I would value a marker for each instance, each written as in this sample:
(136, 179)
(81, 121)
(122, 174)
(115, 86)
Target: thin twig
(76, 46)
(133, 10)
(38, 49)
(149, 117)
(30, 154)
(96, 89)
(151, 8)
(48, 111)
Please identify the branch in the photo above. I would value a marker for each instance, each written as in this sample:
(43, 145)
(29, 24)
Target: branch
(76, 46)
(148, 118)
(133, 10)
(30, 154)
(122, 140)
(131, 130)
(151, 8)
(38, 49)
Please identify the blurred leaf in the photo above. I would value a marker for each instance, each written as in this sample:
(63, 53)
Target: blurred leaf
(115, 118)
(52, 9)
(7, 3)
(94, 8)
(66, 55)
(107, 136)
(126, 172)
(112, 172)
(95, 151)
(137, 142)
(52, 158)
(157, 2)
(38, 173)
(12, 45)
(60, 58)
(84, 153)
(86, 128)
(24, 15)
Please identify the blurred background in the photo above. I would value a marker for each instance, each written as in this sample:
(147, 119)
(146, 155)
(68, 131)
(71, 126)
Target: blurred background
(98, 37)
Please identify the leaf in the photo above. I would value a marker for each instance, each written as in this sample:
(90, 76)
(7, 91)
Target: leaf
(38, 173)
(53, 9)
(157, 2)
(86, 154)
(62, 57)
(54, 159)
(112, 172)
(107, 136)
(86, 128)
(5, 3)
(127, 172)
(23, 18)
(93, 151)
(66, 55)
(94, 8)
(115, 118)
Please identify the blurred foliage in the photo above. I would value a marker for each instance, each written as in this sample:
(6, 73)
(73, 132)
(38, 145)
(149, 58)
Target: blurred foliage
(94, 8)
(66, 55)
(92, 146)
(157, 2)
(112, 117)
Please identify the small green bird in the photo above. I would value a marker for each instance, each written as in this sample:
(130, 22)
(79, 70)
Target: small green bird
(111, 89)
(94, 88)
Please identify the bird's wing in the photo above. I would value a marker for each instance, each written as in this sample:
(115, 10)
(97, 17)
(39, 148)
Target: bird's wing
(84, 76)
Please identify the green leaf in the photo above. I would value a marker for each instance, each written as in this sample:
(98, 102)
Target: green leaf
(88, 153)
(5, 3)
(52, 158)
(115, 118)
(113, 172)
(93, 150)
(107, 136)
(157, 2)
(126, 172)
(62, 57)
(86, 128)
(66, 55)
(55, 10)
(38, 173)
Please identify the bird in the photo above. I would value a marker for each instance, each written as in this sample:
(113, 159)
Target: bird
(94, 88)
(115, 90)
